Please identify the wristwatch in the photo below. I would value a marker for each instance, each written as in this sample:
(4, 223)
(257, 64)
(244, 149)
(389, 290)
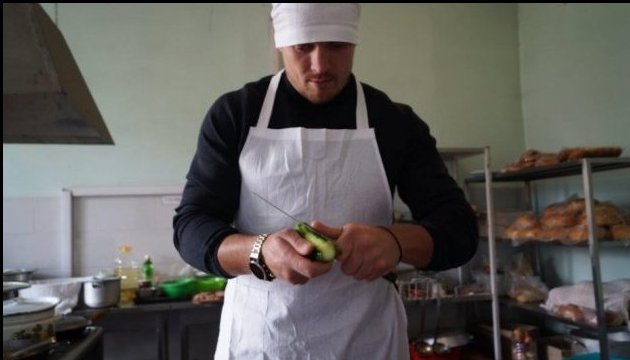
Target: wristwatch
(257, 262)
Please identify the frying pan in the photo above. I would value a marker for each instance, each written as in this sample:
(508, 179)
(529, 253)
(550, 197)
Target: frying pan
(70, 327)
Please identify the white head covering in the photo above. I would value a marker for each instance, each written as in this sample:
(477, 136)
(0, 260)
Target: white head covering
(300, 23)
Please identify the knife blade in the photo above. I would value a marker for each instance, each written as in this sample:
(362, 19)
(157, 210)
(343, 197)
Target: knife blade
(322, 252)
(279, 209)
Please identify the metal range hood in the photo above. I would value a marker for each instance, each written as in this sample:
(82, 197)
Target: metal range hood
(44, 96)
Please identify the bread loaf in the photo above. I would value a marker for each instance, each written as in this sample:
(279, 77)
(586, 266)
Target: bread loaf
(606, 214)
(557, 233)
(559, 220)
(569, 311)
(568, 154)
(578, 234)
(547, 160)
(620, 232)
(526, 221)
(556, 209)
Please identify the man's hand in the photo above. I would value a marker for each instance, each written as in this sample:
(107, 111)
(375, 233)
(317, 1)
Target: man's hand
(367, 252)
(287, 255)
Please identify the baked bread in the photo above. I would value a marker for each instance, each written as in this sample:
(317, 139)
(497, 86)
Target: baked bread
(529, 157)
(558, 220)
(579, 314)
(526, 221)
(526, 160)
(578, 234)
(208, 296)
(577, 205)
(547, 159)
(606, 214)
(513, 167)
(556, 209)
(568, 154)
(534, 233)
(620, 232)
(557, 233)
(569, 311)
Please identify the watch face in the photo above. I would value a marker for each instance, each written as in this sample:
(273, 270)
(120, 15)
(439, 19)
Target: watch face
(257, 270)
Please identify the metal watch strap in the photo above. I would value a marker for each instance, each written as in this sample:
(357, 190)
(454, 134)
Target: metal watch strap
(257, 261)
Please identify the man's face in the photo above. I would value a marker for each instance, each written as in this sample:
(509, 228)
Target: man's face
(318, 71)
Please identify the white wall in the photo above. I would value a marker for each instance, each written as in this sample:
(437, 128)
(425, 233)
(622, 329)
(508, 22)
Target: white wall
(35, 236)
(155, 69)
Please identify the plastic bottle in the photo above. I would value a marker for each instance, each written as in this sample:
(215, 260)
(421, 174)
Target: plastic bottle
(146, 280)
(523, 345)
(127, 270)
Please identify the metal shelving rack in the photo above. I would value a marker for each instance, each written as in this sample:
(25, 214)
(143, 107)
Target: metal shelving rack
(452, 155)
(584, 167)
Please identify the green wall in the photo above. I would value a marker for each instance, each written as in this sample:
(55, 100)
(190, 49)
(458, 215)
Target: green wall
(575, 75)
(155, 69)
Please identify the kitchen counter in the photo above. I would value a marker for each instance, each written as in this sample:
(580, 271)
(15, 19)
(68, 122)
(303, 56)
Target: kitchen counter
(90, 347)
(163, 330)
(148, 307)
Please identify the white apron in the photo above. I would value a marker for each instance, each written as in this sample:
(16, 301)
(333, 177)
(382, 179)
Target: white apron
(335, 176)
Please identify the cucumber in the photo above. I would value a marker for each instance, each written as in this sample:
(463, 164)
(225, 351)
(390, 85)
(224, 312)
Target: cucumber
(325, 250)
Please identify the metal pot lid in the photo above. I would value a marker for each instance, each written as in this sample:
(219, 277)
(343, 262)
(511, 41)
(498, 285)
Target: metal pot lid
(19, 306)
(14, 286)
(16, 271)
(103, 279)
(70, 322)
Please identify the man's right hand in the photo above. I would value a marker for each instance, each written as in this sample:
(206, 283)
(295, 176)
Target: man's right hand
(287, 255)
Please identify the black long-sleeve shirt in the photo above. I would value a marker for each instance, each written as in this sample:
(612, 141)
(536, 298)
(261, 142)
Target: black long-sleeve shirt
(408, 151)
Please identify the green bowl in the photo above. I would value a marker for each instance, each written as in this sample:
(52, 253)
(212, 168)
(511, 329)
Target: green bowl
(210, 283)
(179, 288)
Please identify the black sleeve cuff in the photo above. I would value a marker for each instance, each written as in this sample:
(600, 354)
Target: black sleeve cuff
(212, 257)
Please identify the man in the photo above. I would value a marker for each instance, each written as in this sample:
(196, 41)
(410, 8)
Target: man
(322, 147)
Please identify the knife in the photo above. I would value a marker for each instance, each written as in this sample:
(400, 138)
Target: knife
(316, 255)
(324, 252)
(279, 209)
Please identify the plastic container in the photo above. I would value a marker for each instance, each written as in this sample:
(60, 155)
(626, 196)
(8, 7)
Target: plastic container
(179, 289)
(210, 283)
(127, 270)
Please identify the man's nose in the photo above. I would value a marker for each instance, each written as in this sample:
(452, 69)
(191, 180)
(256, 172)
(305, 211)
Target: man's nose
(320, 62)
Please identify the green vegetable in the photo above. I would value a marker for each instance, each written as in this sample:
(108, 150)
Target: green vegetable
(325, 250)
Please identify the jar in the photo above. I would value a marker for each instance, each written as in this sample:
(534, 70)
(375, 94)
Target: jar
(523, 344)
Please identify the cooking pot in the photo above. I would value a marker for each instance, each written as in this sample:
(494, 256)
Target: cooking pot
(20, 275)
(26, 322)
(10, 289)
(101, 292)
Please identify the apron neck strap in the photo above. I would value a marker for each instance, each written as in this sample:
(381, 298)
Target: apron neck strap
(362, 116)
(265, 111)
(270, 96)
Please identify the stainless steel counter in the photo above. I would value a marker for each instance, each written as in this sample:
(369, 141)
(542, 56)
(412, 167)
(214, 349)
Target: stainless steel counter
(165, 330)
(88, 347)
